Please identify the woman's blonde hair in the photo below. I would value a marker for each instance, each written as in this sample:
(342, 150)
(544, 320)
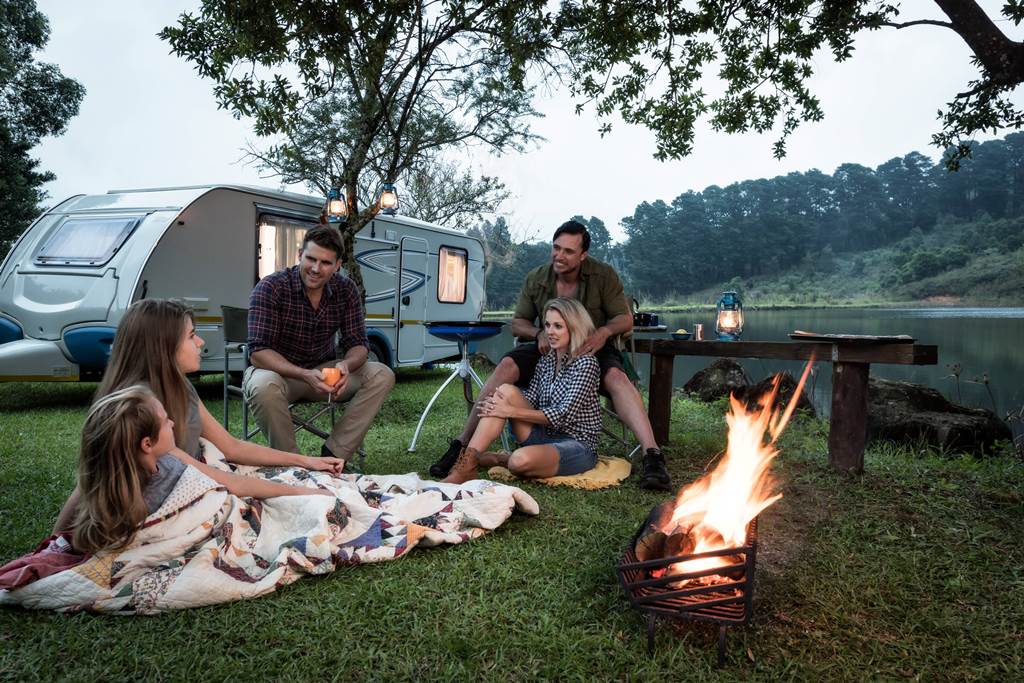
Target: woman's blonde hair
(577, 320)
(110, 476)
(144, 352)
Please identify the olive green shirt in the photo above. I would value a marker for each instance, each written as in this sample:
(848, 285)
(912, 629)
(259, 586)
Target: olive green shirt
(599, 290)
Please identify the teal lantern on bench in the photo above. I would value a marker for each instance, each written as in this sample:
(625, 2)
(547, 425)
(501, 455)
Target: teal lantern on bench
(337, 208)
(729, 323)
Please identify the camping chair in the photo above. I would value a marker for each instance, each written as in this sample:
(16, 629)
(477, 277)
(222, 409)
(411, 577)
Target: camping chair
(618, 431)
(236, 333)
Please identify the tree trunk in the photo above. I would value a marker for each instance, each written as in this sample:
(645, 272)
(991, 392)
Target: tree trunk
(348, 237)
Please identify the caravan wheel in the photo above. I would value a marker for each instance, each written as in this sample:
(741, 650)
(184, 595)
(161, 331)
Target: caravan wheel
(378, 353)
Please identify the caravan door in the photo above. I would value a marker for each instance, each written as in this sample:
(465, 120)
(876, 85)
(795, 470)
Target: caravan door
(410, 299)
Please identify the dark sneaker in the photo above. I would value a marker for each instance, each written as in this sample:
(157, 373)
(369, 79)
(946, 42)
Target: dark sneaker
(654, 475)
(441, 468)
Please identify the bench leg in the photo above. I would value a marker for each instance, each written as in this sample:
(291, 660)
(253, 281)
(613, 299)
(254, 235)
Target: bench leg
(659, 404)
(848, 427)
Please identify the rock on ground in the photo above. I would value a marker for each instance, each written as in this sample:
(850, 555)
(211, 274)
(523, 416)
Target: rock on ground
(903, 411)
(721, 378)
(787, 387)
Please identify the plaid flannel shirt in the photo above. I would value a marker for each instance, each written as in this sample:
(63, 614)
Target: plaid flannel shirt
(568, 398)
(281, 318)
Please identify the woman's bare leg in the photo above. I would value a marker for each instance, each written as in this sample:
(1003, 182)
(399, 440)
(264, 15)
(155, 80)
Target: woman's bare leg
(487, 430)
(512, 393)
(534, 461)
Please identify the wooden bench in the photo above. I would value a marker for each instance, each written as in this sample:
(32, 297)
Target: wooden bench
(850, 364)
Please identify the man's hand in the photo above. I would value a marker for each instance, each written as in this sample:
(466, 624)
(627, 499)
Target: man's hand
(595, 341)
(543, 345)
(342, 382)
(315, 379)
(333, 466)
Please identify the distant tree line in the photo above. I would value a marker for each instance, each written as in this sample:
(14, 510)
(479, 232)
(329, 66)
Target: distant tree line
(763, 226)
(756, 227)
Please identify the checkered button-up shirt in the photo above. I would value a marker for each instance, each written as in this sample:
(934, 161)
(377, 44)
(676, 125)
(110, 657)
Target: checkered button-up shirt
(281, 318)
(568, 397)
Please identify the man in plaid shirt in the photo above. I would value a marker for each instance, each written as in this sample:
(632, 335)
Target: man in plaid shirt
(295, 316)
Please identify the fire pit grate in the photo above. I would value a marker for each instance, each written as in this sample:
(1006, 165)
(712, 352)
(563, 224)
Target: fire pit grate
(725, 603)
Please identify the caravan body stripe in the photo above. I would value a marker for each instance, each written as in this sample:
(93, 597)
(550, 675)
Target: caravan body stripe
(374, 260)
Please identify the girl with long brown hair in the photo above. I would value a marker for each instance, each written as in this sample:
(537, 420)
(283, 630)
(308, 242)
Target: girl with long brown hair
(557, 419)
(156, 344)
(126, 470)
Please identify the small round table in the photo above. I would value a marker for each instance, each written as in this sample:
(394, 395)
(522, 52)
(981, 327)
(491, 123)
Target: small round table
(461, 332)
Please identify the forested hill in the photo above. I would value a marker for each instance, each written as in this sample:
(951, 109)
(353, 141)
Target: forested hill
(906, 230)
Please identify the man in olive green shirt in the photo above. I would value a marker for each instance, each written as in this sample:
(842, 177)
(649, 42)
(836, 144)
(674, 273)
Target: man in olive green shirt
(597, 286)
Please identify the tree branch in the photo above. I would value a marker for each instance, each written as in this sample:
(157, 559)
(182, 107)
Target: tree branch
(917, 22)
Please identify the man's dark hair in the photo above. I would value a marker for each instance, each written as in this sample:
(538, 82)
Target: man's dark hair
(574, 228)
(325, 236)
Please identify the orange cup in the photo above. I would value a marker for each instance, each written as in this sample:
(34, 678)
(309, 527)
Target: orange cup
(331, 375)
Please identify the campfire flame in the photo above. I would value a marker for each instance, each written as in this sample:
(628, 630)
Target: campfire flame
(717, 508)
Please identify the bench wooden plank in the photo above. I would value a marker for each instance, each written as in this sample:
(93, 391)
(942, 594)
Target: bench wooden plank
(897, 354)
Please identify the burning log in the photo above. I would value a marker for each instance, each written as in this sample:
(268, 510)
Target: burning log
(680, 541)
(649, 540)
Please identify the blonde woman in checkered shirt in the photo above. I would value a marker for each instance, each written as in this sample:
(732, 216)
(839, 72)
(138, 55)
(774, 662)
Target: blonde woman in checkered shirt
(556, 420)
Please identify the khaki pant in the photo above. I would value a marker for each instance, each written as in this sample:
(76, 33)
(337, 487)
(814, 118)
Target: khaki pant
(268, 395)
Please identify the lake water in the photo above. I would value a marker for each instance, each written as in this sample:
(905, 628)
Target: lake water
(981, 340)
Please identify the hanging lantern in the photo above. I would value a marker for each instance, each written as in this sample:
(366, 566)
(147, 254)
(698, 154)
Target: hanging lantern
(729, 323)
(387, 203)
(337, 209)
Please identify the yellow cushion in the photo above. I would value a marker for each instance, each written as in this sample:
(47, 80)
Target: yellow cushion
(606, 473)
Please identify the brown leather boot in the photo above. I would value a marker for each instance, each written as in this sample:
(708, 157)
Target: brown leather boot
(464, 468)
(493, 459)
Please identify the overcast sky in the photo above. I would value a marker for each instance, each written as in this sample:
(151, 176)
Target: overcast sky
(148, 120)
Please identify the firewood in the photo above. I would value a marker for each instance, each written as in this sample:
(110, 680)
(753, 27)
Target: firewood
(650, 546)
(679, 542)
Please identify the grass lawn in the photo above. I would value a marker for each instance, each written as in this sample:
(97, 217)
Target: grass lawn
(912, 571)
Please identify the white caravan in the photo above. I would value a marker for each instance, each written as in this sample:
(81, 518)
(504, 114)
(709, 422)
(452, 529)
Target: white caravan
(69, 278)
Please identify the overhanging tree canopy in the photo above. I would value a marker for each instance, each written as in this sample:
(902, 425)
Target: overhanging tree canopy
(348, 90)
(646, 60)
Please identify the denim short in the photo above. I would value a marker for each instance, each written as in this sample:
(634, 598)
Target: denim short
(573, 456)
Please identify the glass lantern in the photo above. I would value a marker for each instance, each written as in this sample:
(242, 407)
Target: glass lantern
(729, 323)
(388, 200)
(337, 209)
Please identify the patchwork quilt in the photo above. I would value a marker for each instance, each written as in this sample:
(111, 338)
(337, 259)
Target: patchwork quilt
(206, 546)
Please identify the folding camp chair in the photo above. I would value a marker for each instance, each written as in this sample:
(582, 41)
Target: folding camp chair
(624, 437)
(236, 333)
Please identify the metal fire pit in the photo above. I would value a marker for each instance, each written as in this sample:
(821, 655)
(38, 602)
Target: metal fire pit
(729, 603)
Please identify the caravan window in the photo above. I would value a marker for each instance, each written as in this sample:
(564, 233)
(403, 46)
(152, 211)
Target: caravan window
(86, 241)
(280, 240)
(451, 275)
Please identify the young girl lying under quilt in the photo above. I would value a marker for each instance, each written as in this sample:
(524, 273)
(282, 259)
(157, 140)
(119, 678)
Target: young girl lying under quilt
(158, 530)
